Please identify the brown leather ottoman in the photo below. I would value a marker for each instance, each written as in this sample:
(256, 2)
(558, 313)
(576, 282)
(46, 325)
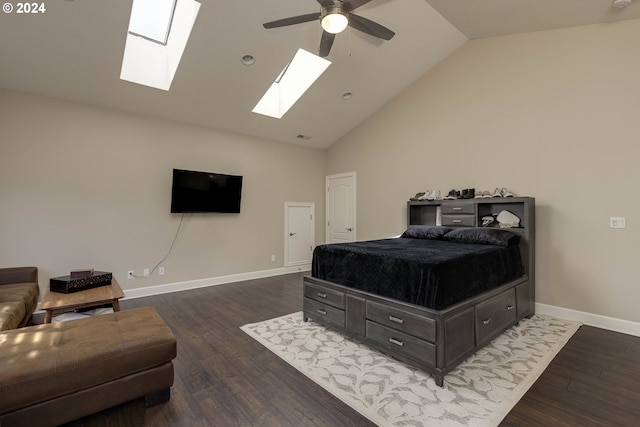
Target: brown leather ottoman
(54, 373)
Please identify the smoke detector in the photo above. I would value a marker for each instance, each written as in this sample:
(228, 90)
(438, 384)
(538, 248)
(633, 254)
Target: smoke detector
(621, 3)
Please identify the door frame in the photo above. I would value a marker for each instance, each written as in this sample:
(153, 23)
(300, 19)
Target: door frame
(287, 205)
(327, 236)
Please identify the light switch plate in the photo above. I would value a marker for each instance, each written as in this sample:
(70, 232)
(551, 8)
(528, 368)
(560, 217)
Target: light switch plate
(617, 222)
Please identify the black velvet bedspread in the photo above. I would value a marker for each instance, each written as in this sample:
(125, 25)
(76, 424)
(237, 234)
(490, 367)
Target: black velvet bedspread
(430, 273)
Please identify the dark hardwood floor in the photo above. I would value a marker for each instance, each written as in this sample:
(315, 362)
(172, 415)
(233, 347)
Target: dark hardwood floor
(225, 378)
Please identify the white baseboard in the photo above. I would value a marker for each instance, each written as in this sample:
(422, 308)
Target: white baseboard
(212, 281)
(604, 322)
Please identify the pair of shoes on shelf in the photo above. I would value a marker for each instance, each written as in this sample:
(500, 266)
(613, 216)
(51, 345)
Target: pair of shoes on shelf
(506, 193)
(430, 195)
(453, 195)
(417, 196)
(483, 194)
(502, 192)
(467, 193)
(433, 195)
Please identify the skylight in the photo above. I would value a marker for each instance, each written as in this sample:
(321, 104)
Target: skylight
(298, 76)
(157, 36)
(151, 19)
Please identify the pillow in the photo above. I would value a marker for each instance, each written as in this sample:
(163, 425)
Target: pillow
(426, 232)
(483, 236)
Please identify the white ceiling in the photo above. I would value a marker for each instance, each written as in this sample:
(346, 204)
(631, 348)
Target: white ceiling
(73, 51)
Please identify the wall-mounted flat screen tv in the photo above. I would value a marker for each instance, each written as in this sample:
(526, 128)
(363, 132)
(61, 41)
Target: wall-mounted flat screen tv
(198, 192)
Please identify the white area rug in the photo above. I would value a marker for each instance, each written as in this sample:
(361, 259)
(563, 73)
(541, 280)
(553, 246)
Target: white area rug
(479, 392)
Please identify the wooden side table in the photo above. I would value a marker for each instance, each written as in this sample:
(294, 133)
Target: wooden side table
(54, 302)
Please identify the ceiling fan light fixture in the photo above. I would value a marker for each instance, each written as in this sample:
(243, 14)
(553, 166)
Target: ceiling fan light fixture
(334, 19)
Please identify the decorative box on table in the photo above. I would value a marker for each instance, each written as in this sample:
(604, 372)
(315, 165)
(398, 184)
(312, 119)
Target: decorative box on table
(71, 283)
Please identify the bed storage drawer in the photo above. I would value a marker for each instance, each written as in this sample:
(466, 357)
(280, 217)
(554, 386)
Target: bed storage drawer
(458, 208)
(417, 326)
(324, 295)
(400, 342)
(495, 314)
(459, 220)
(323, 312)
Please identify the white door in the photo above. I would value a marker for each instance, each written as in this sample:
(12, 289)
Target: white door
(299, 229)
(341, 208)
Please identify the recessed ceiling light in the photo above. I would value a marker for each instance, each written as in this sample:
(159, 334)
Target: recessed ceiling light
(347, 95)
(248, 60)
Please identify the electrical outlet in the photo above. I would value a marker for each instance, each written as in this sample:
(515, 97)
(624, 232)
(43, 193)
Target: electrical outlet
(130, 274)
(146, 272)
(161, 271)
(273, 258)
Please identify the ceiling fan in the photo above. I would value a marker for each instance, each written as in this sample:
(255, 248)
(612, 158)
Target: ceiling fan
(335, 16)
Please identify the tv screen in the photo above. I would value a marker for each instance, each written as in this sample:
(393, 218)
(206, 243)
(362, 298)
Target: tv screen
(196, 192)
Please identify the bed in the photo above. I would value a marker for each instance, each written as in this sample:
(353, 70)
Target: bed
(436, 294)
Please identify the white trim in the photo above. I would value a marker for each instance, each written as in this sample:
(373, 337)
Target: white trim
(596, 320)
(150, 291)
(599, 321)
(212, 281)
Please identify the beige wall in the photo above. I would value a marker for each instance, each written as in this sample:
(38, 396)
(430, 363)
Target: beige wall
(553, 115)
(88, 187)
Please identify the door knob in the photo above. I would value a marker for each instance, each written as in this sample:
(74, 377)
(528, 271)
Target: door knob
(291, 234)
(349, 229)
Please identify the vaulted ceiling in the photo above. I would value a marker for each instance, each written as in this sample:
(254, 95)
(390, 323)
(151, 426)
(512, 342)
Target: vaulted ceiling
(73, 51)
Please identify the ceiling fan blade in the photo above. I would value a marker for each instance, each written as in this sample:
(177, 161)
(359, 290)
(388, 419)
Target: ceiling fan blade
(354, 4)
(325, 44)
(292, 20)
(369, 27)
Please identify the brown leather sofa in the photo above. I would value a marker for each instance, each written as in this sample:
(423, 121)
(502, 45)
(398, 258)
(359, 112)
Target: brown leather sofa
(18, 296)
(54, 373)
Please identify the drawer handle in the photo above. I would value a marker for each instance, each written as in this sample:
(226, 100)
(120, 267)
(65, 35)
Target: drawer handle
(323, 312)
(486, 321)
(457, 209)
(457, 221)
(396, 319)
(509, 307)
(321, 295)
(396, 342)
